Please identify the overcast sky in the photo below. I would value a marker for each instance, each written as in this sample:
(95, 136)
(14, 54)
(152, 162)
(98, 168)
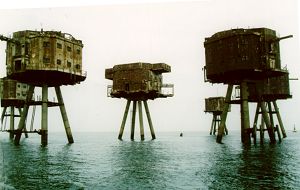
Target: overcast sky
(114, 32)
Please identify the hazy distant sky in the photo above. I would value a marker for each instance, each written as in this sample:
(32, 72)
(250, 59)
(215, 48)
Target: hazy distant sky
(172, 32)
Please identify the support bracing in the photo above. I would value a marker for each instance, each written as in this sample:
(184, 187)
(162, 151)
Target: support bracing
(279, 119)
(267, 121)
(224, 114)
(215, 125)
(64, 114)
(21, 125)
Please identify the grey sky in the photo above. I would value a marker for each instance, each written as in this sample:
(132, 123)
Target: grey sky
(170, 32)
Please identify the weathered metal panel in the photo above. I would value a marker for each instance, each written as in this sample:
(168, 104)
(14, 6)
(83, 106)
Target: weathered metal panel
(214, 104)
(12, 89)
(270, 89)
(44, 57)
(137, 79)
(241, 53)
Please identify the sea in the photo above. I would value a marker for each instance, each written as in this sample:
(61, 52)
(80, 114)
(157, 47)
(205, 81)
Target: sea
(99, 160)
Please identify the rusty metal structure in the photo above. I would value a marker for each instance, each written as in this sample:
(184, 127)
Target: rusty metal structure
(138, 82)
(13, 96)
(215, 106)
(250, 59)
(44, 59)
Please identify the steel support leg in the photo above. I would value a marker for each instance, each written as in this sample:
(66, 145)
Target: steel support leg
(133, 121)
(245, 121)
(255, 124)
(44, 128)
(279, 119)
(141, 120)
(64, 114)
(124, 120)
(267, 122)
(149, 119)
(3, 114)
(24, 115)
(224, 114)
(212, 126)
(12, 122)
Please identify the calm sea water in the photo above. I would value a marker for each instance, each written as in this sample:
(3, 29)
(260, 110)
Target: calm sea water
(194, 161)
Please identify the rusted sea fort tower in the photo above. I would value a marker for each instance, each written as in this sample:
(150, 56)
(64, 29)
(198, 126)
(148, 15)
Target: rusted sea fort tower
(215, 106)
(249, 58)
(138, 82)
(13, 96)
(44, 59)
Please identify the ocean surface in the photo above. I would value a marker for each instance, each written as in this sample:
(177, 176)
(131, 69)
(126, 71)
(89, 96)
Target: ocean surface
(194, 161)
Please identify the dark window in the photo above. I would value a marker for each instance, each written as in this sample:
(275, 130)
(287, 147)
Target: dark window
(18, 50)
(77, 66)
(69, 64)
(69, 48)
(26, 48)
(18, 65)
(58, 45)
(19, 85)
(46, 44)
(58, 61)
(46, 60)
(78, 51)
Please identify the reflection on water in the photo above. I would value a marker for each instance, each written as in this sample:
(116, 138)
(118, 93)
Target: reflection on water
(195, 161)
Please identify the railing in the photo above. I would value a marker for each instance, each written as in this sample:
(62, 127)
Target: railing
(109, 90)
(167, 90)
(56, 68)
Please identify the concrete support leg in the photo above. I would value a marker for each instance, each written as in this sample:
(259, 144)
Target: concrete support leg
(255, 123)
(278, 133)
(245, 121)
(44, 128)
(214, 125)
(64, 114)
(2, 115)
(271, 115)
(279, 119)
(149, 119)
(267, 122)
(262, 128)
(24, 115)
(141, 120)
(212, 131)
(25, 130)
(124, 120)
(12, 122)
(224, 114)
(133, 121)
